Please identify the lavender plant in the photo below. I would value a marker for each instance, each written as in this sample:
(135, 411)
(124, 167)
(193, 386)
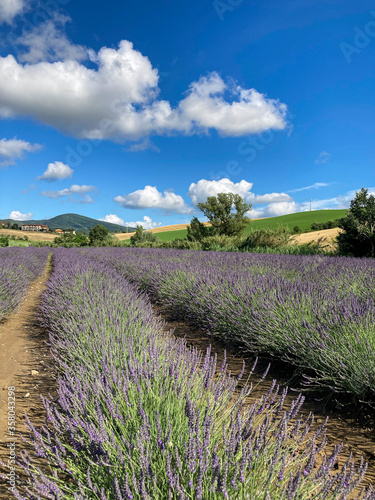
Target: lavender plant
(141, 416)
(315, 312)
(18, 268)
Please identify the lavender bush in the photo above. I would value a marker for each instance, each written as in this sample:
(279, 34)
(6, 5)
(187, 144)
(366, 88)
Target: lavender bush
(141, 416)
(18, 268)
(315, 312)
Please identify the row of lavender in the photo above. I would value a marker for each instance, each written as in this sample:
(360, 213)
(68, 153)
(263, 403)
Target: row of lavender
(141, 416)
(18, 268)
(315, 312)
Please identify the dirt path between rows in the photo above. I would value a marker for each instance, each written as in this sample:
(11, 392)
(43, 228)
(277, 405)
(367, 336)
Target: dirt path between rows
(25, 364)
(354, 426)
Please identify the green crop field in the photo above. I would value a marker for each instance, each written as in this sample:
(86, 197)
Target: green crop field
(301, 219)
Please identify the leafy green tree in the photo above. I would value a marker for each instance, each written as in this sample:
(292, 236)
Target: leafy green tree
(81, 240)
(142, 236)
(98, 235)
(358, 237)
(197, 231)
(226, 213)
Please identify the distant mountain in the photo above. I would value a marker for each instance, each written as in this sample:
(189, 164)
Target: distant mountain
(74, 221)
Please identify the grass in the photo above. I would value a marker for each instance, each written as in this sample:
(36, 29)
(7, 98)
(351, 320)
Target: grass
(17, 243)
(301, 219)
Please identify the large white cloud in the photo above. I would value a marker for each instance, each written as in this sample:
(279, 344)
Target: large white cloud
(117, 99)
(251, 113)
(75, 193)
(200, 191)
(16, 215)
(48, 42)
(55, 171)
(14, 149)
(9, 9)
(150, 197)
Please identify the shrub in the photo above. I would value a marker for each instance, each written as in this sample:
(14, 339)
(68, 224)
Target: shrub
(4, 241)
(265, 237)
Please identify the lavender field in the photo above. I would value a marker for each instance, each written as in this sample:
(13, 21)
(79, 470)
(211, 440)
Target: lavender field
(18, 268)
(317, 313)
(139, 415)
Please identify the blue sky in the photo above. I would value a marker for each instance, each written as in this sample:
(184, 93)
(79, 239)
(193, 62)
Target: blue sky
(134, 112)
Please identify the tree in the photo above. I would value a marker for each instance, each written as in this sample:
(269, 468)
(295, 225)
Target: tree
(98, 235)
(197, 231)
(358, 237)
(142, 236)
(219, 211)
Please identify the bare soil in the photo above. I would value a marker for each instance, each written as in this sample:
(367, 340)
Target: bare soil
(26, 364)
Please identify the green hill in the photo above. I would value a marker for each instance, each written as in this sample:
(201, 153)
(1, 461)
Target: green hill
(301, 219)
(74, 221)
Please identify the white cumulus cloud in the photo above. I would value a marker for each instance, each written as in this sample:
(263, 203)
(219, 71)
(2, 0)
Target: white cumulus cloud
(200, 191)
(9, 9)
(117, 97)
(14, 149)
(75, 193)
(16, 215)
(251, 113)
(150, 197)
(113, 219)
(146, 223)
(55, 171)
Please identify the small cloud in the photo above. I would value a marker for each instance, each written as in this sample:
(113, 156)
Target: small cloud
(55, 171)
(113, 219)
(14, 149)
(143, 146)
(323, 157)
(16, 215)
(9, 9)
(316, 185)
(48, 42)
(31, 188)
(146, 223)
(76, 194)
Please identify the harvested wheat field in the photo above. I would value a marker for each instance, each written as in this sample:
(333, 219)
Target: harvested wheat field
(32, 235)
(327, 237)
